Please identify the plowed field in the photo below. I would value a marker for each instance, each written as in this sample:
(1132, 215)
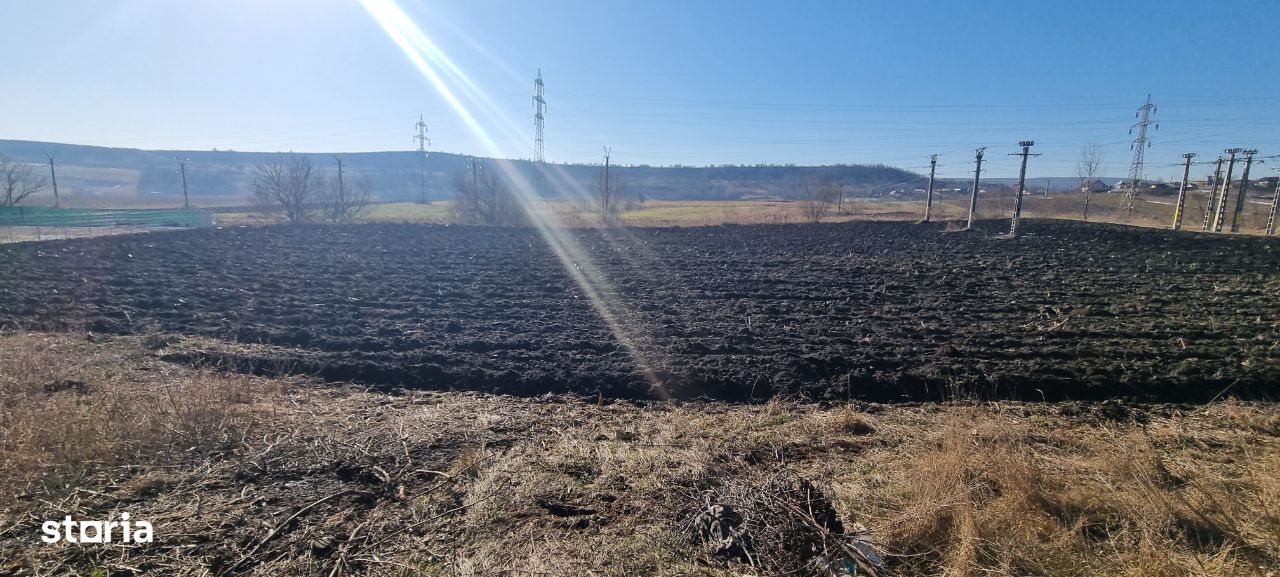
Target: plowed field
(876, 310)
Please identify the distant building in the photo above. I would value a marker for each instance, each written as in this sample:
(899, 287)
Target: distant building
(1095, 185)
(1268, 182)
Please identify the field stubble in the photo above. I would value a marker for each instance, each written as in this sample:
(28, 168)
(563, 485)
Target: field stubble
(246, 475)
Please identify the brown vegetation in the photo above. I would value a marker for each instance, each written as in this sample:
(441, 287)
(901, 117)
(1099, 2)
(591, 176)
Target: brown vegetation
(249, 476)
(17, 182)
(288, 185)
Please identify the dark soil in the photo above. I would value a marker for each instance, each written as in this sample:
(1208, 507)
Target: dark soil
(877, 310)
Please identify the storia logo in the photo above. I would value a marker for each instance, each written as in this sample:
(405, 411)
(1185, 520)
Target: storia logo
(73, 531)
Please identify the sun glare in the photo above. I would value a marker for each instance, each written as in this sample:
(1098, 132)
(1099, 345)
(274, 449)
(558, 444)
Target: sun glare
(448, 80)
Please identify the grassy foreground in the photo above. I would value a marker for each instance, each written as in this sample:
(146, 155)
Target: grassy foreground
(243, 475)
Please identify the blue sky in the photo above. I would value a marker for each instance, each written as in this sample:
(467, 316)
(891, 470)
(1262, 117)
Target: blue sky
(661, 82)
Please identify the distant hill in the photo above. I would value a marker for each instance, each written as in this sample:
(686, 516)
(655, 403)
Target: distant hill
(95, 171)
(125, 172)
(1055, 183)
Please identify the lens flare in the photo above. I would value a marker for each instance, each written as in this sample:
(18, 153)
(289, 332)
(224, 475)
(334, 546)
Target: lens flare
(451, 82)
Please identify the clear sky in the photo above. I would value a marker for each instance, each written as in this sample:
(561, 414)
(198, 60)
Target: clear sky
(661, 82)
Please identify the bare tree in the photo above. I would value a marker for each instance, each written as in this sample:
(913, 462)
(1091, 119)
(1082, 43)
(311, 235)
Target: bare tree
(18, 181)
(288, 185)
(481, 196)
(341, 201)
(608, 190)
(611, 196)
(818, 196)
(1087, 167)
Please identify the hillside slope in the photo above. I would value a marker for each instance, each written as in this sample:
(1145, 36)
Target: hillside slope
(126, 172)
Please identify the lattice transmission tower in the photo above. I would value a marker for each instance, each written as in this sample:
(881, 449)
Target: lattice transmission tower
(423, 141)
(1139, 146)
(539, 122)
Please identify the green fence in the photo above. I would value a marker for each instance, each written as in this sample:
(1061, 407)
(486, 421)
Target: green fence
(76, 217)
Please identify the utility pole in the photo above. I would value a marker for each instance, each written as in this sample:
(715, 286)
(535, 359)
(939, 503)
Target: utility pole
(1139, 146)
(1221, 213)
(342, 191)
(1182, 191)
(539, 118)
(1022, 181)
(1244, 189)
(423, 141)
(1275, 203)
(53, 175)
(928, 199)
(605, 198)
(1212, 201)
(182, 167)
(474, 167)
(973, 196)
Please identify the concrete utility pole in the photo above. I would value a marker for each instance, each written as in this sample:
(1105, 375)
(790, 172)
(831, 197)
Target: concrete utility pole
(973, 196)
(182, 167)
(1244, 189)
(1182, 191)
(473, 166)
(1022, 182)
(342, 191)
(53, 175)
(1221, 213)
(928, 199)
(1212, 201)
(1275, 203)
(423, 141)
(605, 198)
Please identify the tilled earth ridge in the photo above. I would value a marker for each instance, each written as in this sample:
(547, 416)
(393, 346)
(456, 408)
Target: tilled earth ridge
(879, 311)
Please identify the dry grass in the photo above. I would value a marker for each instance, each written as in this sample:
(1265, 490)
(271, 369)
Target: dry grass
(249, 476)
(72, 406)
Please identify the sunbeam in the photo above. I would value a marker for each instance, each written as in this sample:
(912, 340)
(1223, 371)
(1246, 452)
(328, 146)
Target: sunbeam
(448, 80)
